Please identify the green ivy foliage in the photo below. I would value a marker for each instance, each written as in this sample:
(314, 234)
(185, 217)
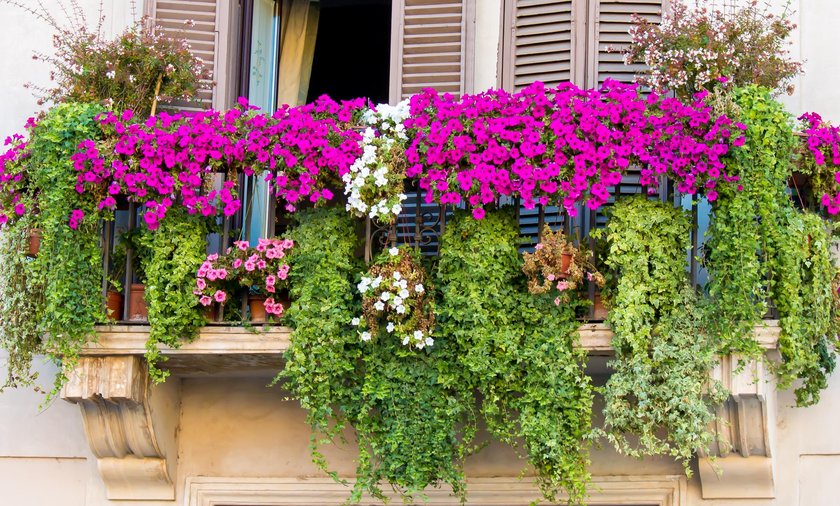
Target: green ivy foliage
(761, 248)
(324, 353)
(21, 305)
(69, 265)
(170, 257)
(516, 350)
(659, 391)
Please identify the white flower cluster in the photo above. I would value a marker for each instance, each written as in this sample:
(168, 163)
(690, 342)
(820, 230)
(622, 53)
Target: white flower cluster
(395, 299)
(367, 184)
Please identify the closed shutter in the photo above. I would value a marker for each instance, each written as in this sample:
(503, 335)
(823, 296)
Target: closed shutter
(428, 46)
(543, 40)
(610, 33)
(174, 16)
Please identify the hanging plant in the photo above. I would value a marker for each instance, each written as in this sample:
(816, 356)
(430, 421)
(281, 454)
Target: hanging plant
(173, 254)
(762, 248)
(394, 296)
(557, 264)
(659, 399)
(516, 350)
(374, 185)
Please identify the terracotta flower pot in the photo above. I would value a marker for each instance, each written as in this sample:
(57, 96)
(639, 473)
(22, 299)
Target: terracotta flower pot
(114, 305)
(600, 311)
(34, 242)
(257, 305)
(565, 264)
(212, 311)
(137, 309)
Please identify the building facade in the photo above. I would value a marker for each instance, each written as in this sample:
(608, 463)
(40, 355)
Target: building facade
(214, 434)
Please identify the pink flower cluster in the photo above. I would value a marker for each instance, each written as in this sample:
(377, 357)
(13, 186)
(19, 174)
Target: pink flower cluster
(12, 181)
(563, 145)
(310, 147)
(822, 140)
(263, 270)
(166, 160)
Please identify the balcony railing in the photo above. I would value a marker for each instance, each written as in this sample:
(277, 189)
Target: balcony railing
(419, 225)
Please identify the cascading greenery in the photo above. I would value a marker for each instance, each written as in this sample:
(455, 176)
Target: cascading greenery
(170, 257)
(69, 265)
(516, 350)
(21, 305)
(324, 353)
(663, 353)
(761, 248)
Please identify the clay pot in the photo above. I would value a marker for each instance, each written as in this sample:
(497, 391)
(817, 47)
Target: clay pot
(257, 305)
(137, 309)
(114, 305)
(565, 264)
(600, 311)
(211, 312)
(34, 242)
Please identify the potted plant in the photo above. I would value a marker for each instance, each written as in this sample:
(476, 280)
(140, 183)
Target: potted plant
(261, 270)
(557, 264)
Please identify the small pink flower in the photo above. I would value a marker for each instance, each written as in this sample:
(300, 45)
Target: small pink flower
(237, 263)
(242, 245)
(200, 284)
(249, 266)
(539, 246)
(270, 280)
(551, 277)
(557, 301)
(212, 275)
(261, 264)
(220, 296)
(562, 286)
(205, 300)
(222, 273)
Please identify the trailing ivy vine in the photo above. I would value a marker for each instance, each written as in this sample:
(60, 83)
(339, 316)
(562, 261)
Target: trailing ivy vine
(324, 353)
(69, 265)
(761, 248)
(21, 306)
(516, 350)
(171, 257)
(663, 353)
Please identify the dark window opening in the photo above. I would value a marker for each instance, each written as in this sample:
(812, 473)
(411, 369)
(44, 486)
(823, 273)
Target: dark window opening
(352, 50)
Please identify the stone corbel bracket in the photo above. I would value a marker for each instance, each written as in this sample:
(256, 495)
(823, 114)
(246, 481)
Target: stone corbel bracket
(741, 463)
(130, 431)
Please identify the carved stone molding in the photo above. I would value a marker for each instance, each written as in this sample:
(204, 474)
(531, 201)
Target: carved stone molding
(113, 395)
(741, 463)
(655, 490)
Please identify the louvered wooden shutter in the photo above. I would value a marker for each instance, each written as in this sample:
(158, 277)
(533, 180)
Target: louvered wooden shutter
(172, 16)
(543, 41)
(428, 46)
(610, 33)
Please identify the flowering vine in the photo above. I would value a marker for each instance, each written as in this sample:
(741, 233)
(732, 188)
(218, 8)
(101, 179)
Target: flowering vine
(822, 141)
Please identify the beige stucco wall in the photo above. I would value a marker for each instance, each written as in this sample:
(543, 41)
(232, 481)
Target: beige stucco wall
(236, 427)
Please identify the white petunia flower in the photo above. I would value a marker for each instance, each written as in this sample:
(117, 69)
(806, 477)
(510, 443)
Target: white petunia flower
(379, 306)
(397, 275)
(393, 251)
(397, 301)
(430, 341)
(404, 293)
(376, 282)
(390, 327)
(366, 336)
(418, 335)
(405, 340)
(355, 322)
(400, 309)
(385, 296)
(419, 288)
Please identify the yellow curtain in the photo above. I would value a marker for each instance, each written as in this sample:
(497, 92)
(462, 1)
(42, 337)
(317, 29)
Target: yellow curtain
(297, 50)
